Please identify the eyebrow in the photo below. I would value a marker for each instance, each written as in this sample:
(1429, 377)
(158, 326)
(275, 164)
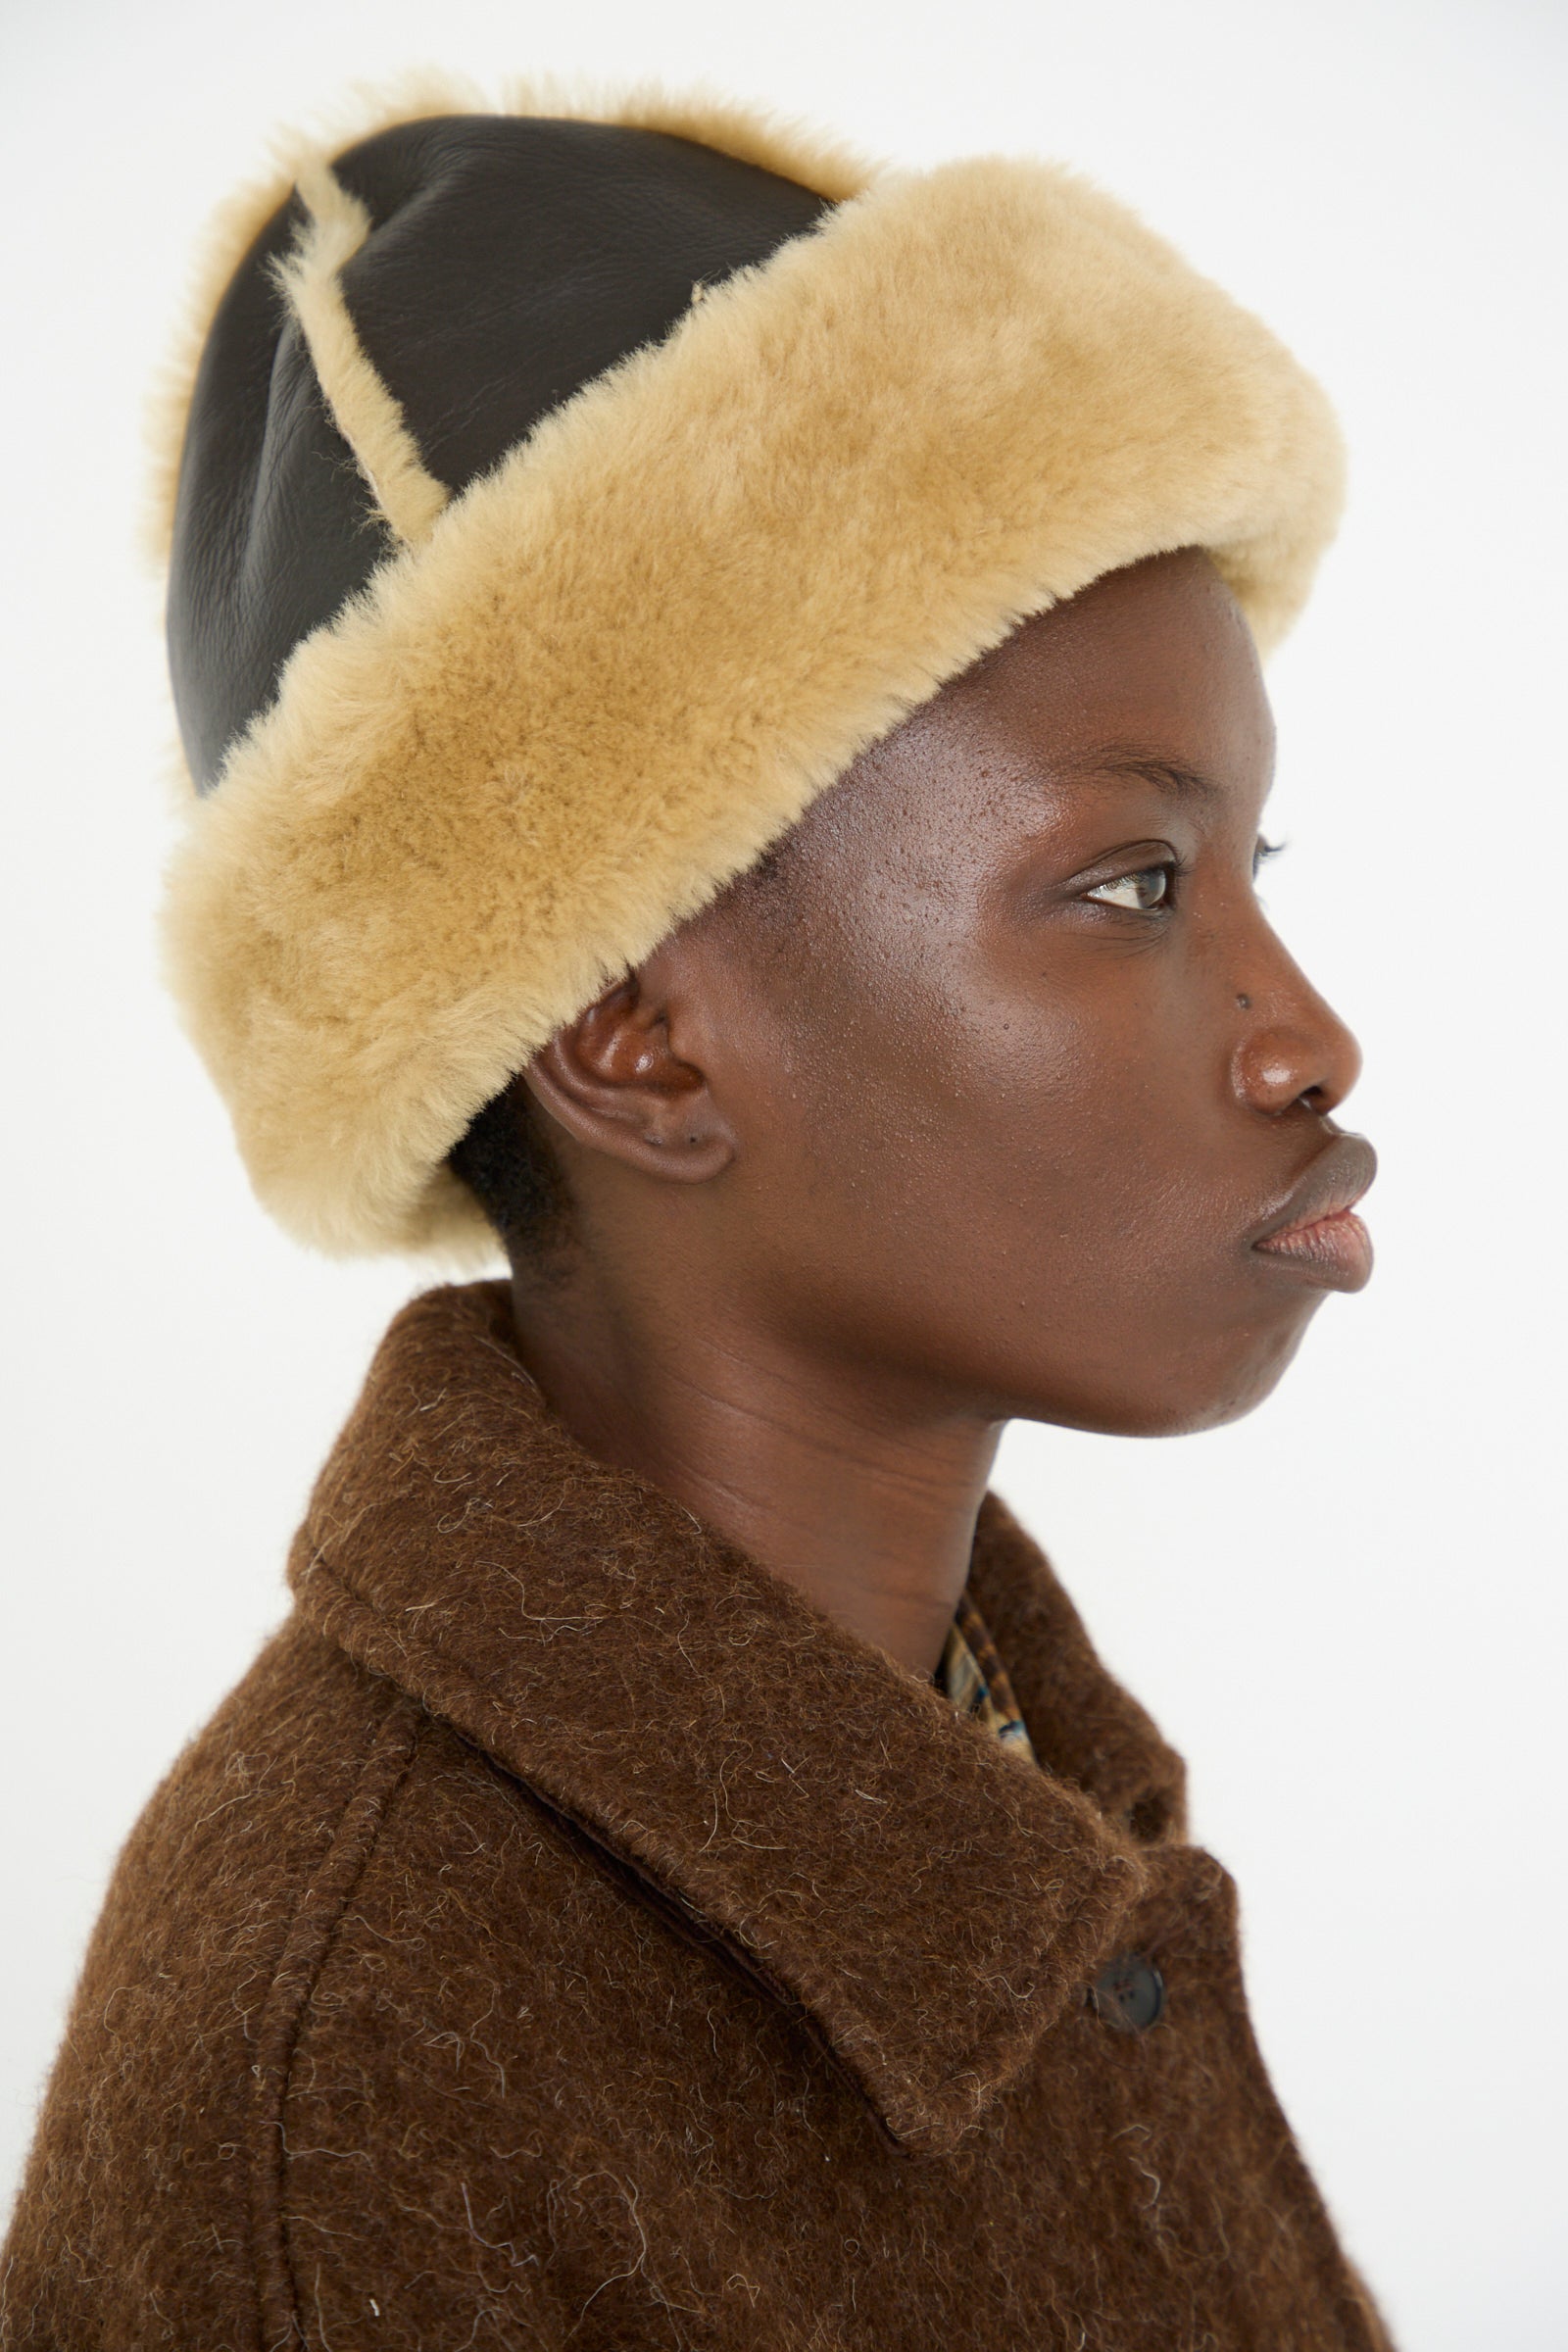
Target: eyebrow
(1166, 775)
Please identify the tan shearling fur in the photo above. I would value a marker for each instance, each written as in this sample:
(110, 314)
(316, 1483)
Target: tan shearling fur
(229, 236)
(751, 134)
(630, 658)
(363, 410)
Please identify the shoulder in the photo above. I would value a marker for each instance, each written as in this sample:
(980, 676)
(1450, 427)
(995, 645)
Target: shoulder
(330, 2009)
(140, 2193)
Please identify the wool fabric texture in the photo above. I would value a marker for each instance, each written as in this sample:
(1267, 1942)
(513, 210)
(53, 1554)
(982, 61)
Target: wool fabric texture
(481, 705)
(564, 1935)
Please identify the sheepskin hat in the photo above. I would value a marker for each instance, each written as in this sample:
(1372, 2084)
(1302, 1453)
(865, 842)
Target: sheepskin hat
(560, 499)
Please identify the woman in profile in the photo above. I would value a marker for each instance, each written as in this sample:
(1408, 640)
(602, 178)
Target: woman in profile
(721, 691)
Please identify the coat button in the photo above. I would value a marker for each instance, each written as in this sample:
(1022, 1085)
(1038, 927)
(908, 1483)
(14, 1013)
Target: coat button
(1128, 1993)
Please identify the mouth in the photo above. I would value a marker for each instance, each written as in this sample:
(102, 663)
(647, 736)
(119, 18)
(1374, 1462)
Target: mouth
(1315, 1230)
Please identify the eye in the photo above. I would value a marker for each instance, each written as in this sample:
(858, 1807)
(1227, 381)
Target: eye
(1143, 892)
(1261, 854)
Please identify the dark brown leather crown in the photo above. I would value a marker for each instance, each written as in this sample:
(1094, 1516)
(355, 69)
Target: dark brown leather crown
(511, 260)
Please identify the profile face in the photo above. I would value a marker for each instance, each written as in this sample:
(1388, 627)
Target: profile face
(1031, 1107)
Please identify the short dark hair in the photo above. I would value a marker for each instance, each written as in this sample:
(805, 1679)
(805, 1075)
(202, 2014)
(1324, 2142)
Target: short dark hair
(507, 1162)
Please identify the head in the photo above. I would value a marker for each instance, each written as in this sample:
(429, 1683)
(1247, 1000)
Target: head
(522, 586)
(992, 1078)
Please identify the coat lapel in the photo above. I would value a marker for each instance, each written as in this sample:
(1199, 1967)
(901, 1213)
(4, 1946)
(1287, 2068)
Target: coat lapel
(930, 1904)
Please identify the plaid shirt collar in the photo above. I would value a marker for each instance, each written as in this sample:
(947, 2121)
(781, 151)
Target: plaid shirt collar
(972, 1676)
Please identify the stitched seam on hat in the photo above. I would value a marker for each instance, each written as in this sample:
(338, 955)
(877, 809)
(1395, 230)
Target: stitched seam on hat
(309, 1938)
(365, 411)
(751, 134)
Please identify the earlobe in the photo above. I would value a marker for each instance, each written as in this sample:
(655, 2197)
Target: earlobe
(613, 1081)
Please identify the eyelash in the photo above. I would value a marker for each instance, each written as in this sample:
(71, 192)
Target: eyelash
(1174, 871)
(1169, 868)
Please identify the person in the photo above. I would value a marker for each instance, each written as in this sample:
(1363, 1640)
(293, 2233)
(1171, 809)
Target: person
(723, 693)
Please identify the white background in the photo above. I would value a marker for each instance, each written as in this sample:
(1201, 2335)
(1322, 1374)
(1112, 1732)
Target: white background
(1348, 1610)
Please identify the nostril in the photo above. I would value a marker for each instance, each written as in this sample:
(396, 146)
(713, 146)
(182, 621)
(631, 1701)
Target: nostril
(1278, 1066)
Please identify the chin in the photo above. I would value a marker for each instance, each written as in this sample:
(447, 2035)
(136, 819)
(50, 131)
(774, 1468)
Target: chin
(1240, 1395)
(1190, 1394)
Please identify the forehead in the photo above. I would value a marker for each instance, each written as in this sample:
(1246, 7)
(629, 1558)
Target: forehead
(1148, 675)
(1149, 669)
(1156, 659)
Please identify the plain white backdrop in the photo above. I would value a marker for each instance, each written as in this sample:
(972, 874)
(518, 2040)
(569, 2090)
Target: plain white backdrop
(1349, 1611)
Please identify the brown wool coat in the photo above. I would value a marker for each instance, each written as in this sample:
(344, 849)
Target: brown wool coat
(565, 1936)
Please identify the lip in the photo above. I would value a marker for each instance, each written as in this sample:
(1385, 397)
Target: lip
(1315, 1230)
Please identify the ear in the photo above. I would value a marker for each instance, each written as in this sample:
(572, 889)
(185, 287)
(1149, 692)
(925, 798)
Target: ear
(613, 1079)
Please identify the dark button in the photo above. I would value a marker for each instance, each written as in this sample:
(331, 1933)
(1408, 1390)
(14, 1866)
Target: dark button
(1129, 1993)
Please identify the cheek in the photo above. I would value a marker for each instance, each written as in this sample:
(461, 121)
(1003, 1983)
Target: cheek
(1075, 1162)
(1094, 1108)
(963, 1136)
(1099, 1232)
(1041, 1203)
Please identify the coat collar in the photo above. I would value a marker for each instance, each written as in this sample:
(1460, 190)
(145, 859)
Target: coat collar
(929, 1903)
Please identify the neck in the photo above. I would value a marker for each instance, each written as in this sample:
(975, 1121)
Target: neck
(862, 1495)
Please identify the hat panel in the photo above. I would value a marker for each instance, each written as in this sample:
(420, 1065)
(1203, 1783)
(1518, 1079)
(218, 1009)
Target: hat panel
(509, 263)
(274, 527)
(513, 261)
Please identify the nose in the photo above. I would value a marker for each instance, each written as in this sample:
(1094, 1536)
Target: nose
(1292, 1049)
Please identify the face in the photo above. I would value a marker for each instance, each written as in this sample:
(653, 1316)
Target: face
(1024, 1101)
